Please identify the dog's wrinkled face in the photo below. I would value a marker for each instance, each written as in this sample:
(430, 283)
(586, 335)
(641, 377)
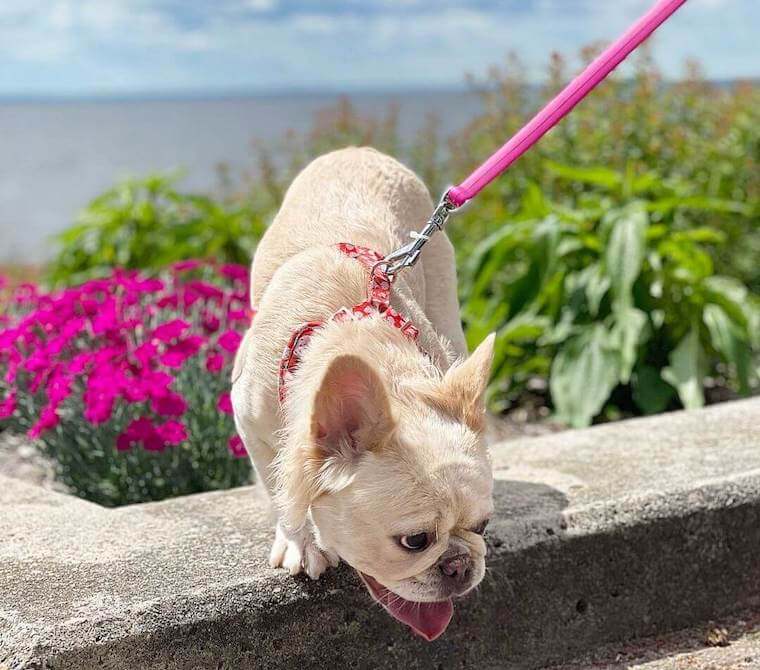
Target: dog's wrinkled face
(412, 521)
(402, 485)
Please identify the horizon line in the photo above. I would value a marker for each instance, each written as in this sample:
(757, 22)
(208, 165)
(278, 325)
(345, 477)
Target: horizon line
(198, 95)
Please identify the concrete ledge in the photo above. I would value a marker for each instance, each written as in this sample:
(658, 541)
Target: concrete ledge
(601, 535)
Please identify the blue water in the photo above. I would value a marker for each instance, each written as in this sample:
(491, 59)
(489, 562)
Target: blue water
(54, 157)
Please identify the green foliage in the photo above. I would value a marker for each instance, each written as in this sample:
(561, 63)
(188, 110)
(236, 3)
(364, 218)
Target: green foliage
(148, 224)
(617, 260)
(612, 292)
(702, 138)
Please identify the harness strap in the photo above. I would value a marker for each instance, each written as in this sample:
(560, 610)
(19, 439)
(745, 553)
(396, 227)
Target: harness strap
(378, 302)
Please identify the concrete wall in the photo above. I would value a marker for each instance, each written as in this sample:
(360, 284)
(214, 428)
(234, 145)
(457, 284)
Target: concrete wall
(600, 535)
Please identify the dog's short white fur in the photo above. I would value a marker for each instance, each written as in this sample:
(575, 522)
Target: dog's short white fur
(377, 442)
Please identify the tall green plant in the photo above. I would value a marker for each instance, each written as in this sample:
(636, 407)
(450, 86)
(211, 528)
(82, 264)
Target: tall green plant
(612, 292)
(148, 224)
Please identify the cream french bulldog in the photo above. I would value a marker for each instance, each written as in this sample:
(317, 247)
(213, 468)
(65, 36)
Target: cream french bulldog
(375, 456)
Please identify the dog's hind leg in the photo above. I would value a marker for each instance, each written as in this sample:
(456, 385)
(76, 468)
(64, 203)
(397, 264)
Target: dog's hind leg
(441, 300)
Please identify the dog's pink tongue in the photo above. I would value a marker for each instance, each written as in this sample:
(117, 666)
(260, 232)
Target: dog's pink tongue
(426, 619)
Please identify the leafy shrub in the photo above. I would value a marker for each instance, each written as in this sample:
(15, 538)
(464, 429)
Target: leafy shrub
(148, 224)
(703, 135)
(123, 381)
(612, 293)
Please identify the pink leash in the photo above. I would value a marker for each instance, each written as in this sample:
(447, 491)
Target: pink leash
(534, 130)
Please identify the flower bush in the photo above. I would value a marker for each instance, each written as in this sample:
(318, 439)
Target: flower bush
(124, 381)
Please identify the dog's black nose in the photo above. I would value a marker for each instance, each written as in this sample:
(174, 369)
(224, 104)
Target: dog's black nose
(456, 568)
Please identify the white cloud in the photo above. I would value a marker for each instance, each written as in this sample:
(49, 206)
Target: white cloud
(77, 44)
(261, 5)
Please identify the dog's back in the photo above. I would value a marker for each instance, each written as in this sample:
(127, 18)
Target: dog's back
(356, 195)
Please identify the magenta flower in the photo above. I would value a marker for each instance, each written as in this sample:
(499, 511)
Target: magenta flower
(99, 410)
(183, 266)
(168, 301)
(154, 442)
(169, 404)
(214, 362)
(48, 419)
(106, 319)
(190, 296)
(172, 432)
(145, 353)
(59, 387)
(234, 272)
(8, 406)
(156, 383)
(171, 330)
(139, 431)
(230, 341)
(176, 354)
(80, 363)
(236, 447)
(206, 291)
(224, 404)
(211, 322)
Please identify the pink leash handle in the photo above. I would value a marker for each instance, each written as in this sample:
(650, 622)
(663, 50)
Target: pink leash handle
(563, 103)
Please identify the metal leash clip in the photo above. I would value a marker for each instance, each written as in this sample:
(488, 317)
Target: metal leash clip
(407, 256)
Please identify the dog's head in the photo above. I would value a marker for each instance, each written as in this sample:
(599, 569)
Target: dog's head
(399, 483)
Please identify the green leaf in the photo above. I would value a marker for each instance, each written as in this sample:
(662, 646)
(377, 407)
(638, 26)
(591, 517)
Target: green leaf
(534, 203)
(688, 262)
(626, 335)
(583, 374)
(685, 370)
(732, 296)
(625, 251)
(596, 287)
(702, 235)
(650, 392)
(561, 331)
(643, 183)
(597, 176)
(524, 328)
(727, 339)
(699, 203)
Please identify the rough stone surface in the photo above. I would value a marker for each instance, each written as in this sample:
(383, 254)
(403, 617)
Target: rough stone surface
(732, 644)
(601, 535)
(21, 460)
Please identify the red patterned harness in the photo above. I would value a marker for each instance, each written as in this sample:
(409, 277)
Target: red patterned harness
(377, 302)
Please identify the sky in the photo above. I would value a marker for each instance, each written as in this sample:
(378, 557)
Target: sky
(165, 47)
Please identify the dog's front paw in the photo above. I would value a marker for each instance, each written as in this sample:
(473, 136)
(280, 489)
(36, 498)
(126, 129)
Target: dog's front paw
(298, 551)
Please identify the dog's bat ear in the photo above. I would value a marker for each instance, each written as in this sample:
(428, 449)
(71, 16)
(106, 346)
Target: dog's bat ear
(351, 412)
(463, 388)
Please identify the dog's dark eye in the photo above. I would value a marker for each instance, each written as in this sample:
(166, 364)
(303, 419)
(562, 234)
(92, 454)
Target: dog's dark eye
(416, 542)
(481, 528)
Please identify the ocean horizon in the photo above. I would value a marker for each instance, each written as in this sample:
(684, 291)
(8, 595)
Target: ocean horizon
(59, 153)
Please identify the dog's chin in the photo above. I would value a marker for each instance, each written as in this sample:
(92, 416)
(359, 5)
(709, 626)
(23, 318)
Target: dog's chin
(427, 619)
